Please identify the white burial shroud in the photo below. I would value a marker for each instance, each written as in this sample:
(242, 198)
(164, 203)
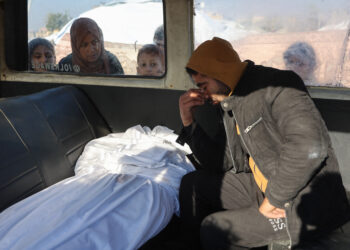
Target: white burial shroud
(125, 191)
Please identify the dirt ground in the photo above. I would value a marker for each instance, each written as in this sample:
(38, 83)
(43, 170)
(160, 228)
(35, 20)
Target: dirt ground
(328, 46)
(331, 48)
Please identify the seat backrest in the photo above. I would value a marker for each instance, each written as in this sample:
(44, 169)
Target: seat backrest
(336, 114)
(41, 138)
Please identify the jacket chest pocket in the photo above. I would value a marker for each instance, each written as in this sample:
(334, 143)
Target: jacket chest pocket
(260, 137)
(250, 127)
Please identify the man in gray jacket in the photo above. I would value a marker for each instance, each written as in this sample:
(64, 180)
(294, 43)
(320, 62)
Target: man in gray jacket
(272, 173)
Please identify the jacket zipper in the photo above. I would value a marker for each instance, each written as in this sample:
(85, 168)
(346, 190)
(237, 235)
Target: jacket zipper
(252, 126)
(245, 145)
(229, 147)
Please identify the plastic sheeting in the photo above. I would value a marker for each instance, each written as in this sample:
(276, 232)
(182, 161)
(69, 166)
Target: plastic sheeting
(125, 191)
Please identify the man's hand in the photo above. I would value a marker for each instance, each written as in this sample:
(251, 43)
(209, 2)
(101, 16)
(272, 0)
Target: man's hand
(271, 211)
(192, 98)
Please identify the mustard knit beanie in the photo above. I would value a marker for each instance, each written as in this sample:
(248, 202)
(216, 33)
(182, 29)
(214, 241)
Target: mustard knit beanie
(217, 59)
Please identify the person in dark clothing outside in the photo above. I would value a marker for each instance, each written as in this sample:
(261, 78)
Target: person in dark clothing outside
(158, 39)
(300, 57)
(88, 52)
(272, 174)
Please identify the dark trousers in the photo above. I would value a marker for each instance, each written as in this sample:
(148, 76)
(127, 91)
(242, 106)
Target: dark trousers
(221, 212)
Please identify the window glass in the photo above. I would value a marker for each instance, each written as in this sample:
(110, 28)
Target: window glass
(116, 37)
(310, 37)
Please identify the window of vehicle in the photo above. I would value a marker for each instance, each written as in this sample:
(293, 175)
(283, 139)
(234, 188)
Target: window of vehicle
(310, 37)
(94, 37)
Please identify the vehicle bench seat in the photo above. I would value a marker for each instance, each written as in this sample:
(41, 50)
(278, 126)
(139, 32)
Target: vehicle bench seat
(42, 136)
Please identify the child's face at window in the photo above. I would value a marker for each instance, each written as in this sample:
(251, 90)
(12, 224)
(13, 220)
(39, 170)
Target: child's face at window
(149, 65)
(42, 55)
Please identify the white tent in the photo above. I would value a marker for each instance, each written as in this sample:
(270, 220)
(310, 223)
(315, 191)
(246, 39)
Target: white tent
(135, 22)
(123, 22)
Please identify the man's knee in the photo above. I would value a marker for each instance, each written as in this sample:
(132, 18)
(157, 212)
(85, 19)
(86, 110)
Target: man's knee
(214, 234)
(236, 229)
(208, 239)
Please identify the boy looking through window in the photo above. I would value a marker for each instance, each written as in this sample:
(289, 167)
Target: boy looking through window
(150, 61)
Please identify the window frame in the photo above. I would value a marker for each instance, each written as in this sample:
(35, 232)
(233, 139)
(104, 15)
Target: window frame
(177, 18)
(323, 85)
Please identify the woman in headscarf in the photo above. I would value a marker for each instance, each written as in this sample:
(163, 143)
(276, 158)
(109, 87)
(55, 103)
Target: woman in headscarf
(88, 52)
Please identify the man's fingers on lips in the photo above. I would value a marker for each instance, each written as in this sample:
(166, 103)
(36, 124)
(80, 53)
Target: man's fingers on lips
(196, 98)
(194, 94)
(198, 91)
(190, 99)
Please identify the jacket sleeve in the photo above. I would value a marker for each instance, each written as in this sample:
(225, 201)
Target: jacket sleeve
(305, 143)
(208, 153)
